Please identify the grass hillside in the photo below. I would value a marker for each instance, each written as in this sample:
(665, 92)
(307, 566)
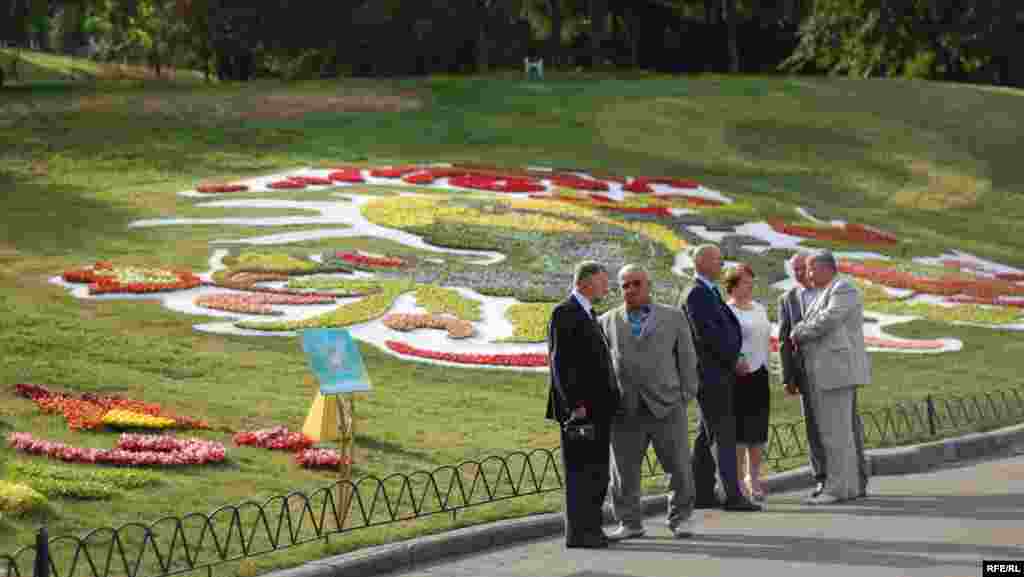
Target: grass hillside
(35, 68)
(935, 163)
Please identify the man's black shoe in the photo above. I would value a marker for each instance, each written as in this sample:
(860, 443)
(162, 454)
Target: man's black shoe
(588, 542)
(741, 504)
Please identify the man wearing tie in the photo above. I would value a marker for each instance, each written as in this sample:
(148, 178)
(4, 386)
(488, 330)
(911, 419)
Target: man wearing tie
(792, 305)
(583, 389)
(718, 340)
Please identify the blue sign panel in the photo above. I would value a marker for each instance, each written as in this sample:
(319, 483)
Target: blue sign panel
(335, 360)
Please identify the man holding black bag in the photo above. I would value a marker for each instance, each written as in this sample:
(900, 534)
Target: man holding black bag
(583, 397)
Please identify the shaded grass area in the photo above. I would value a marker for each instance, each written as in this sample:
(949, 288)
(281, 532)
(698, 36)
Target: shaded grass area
(935, 164)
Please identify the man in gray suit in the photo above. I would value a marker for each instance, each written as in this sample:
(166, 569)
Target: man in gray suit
(792, 305)
(831, 340)
(656, 365)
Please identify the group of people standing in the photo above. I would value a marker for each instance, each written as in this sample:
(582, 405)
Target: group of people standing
(627, 377)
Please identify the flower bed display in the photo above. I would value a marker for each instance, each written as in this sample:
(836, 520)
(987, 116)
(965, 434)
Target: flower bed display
(18, 499)
(135, 450)
(996, 301)
(274, 438)
(221, 188)
(440, 300)
(339, 287)
(88, 410)
(63, 482)
(361, 311)
(846, 233)
(507, 360)
(642, 184)
(103, 278)
(321, 459)
(123, 418)
(410, 212)
(405, 322)
(270, 262)
(529, 321)
(946, 284)
(368, 262)
(578, 182)
(287, 184)
(392, 171)
(259, 304)
(352, 175)
(311, 180)
(497, 184)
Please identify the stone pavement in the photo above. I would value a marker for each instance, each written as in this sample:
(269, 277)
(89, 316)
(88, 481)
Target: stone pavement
(940, 523)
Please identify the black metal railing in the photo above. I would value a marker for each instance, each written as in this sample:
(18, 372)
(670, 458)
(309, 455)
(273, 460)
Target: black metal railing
(196, 541)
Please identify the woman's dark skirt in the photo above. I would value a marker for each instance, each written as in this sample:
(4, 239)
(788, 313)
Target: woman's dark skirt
(751, 406)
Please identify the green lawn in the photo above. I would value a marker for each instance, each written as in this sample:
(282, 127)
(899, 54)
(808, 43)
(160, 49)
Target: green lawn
(936, 164)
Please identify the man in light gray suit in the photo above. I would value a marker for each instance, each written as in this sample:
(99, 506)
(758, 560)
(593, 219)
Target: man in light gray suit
(792, 305)
(656, 365)
(831, 340)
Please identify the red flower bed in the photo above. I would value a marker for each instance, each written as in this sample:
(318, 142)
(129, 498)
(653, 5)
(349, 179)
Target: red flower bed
(961, 265)
(105, 278)
(311, 180)
(496, 184)
(996, 301)
(216, 188)
(321, 459)
(393, 171)
(603, 202)
(346, 175)
(578, 182)
(370, 261)
(287, 184)
(509, 360)
(86, 411)
(132, 450)
(950, 285)
(851, 233)
(420, 178)
(275, 438)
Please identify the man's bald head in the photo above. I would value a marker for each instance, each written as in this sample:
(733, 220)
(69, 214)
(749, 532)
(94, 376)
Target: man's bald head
(707, 260)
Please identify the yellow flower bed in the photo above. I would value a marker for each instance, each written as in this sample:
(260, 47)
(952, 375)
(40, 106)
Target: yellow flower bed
(265, 261)
(361, 311)
(337, 285)
(445, 300)
(124, 418)
(409, 212)
(17, 499)
(530, 321)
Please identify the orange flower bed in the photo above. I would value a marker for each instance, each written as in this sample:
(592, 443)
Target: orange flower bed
(346, 174)
(947, 285)
(848, 233)
(103, 277)
(218, 188)
(457, 328)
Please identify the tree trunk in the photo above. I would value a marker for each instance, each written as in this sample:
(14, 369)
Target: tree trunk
(713, 11)
(555, 38)
(598, 31)
(631, 30)
(729, 11)
(482, 50)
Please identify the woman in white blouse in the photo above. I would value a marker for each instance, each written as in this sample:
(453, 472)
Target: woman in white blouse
(752, 388)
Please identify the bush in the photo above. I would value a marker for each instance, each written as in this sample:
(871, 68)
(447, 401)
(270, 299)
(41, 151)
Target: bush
(69, 482)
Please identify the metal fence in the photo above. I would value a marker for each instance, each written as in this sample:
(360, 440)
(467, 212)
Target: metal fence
(201, 541)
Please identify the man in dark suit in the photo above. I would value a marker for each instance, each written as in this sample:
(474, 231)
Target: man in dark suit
(583, 390)
(718, 340)
(792, 305)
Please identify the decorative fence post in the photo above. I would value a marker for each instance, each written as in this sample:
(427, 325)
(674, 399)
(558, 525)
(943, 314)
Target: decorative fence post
(931, 414)
(42, 565)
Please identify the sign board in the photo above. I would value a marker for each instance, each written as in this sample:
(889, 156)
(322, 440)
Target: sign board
(335, 360)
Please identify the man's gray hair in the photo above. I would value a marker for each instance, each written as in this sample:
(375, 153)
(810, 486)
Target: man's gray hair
(585, 270)
(631, 268)
(702, 248)
(799, 254)
(826, 258)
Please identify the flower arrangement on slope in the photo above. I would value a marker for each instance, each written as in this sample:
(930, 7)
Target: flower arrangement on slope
(269, 263)
(439, 300)
(529, 321)
(311, 180)
(877, 299)
(135, 450)
(287, 184)
(457, 328)
(88, 411)
(364, 261)
(65, 482)
(123, 418)
(642, 184)
(410, 212)
(932, 280)
(349, 314)
(851, 233)
(103, 277)
(352, 175)
(321, 459)
(221, 188)
(981, 269)
(18, 499)
(578, 182)
(507, 360)
(274, 438)
(497, 183)
(340, 287)
(259, 304)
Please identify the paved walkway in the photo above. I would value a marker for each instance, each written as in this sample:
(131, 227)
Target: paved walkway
(941, 523)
